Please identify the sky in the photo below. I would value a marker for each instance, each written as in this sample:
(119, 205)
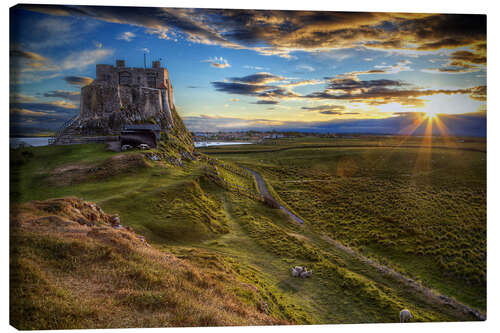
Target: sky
(231, 70)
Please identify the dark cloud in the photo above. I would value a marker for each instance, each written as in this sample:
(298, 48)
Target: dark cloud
(25, 66)
(352, 84)
(16, 97)
(376, 92)
(240, 88)
(478, 93)
(330, 112)
(256, 85)
(54, 106)
(463, 62)
(372, 92)
(68, 95)
(17, 53)
(28, 118)
(327, 107)
(266, 102)
(78, 80)
(281, 32)
(382, 95)
(259, 78)
(468, 57)
(279, 93)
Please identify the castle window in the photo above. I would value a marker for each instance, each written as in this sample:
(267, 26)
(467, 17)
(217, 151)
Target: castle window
(151, 79)
(125, 78)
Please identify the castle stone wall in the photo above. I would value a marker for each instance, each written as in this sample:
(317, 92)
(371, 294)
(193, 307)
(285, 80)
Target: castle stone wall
(156, 77)
(123, 95)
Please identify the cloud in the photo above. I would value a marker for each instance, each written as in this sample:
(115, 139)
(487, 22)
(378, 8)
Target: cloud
(478, 93)
(63, 104)
(78, 80)
(27, 66)
(267, 102)
(346, 87)
(253, 85)
(23, 61)
(350, 85)
(28, 118)
(330, 112)
(51, 32)
(127, 36)
(16, 97)
(383, 69)
(384, 91)
(240, 88)
(301, 83)
(462, 62)
(18, 53)
(279, 93)
(26, 112)
(259, 78)
(257, 68)
(59, 105)
(68, 95)
(217, 62)
(306, 68)
(82, 59)
(275, 32)
(327, 107)
(330, 109)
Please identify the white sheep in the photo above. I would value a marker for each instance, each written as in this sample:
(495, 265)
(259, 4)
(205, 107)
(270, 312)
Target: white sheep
(297, 270)
(405, 315)
(306, 274)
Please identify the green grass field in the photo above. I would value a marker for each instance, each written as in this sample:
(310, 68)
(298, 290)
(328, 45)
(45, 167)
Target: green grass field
(421, 211)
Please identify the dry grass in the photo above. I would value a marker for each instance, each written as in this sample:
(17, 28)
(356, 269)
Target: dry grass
(71, 269)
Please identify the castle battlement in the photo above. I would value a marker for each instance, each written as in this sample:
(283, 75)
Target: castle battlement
(154, 77)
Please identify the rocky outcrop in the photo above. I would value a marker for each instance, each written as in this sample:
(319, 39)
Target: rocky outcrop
(105, 109)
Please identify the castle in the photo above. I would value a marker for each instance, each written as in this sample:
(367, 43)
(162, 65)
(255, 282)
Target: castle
(143, 93)
(155, 77)
(122, 96)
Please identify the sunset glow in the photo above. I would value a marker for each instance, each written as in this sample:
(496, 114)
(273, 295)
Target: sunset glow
(261, 70)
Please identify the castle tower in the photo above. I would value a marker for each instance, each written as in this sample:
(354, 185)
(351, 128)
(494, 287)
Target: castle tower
(123, 95)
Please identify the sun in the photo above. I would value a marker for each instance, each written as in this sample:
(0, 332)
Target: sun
(431, 114)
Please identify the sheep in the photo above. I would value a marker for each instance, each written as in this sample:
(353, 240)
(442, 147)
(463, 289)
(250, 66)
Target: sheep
(405, 315)
(299, 271)
(306, 274)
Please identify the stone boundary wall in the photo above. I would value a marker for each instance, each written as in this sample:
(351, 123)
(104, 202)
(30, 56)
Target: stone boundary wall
(87, 139)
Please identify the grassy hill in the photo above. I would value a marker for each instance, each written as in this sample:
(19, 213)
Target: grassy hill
(225, 244)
